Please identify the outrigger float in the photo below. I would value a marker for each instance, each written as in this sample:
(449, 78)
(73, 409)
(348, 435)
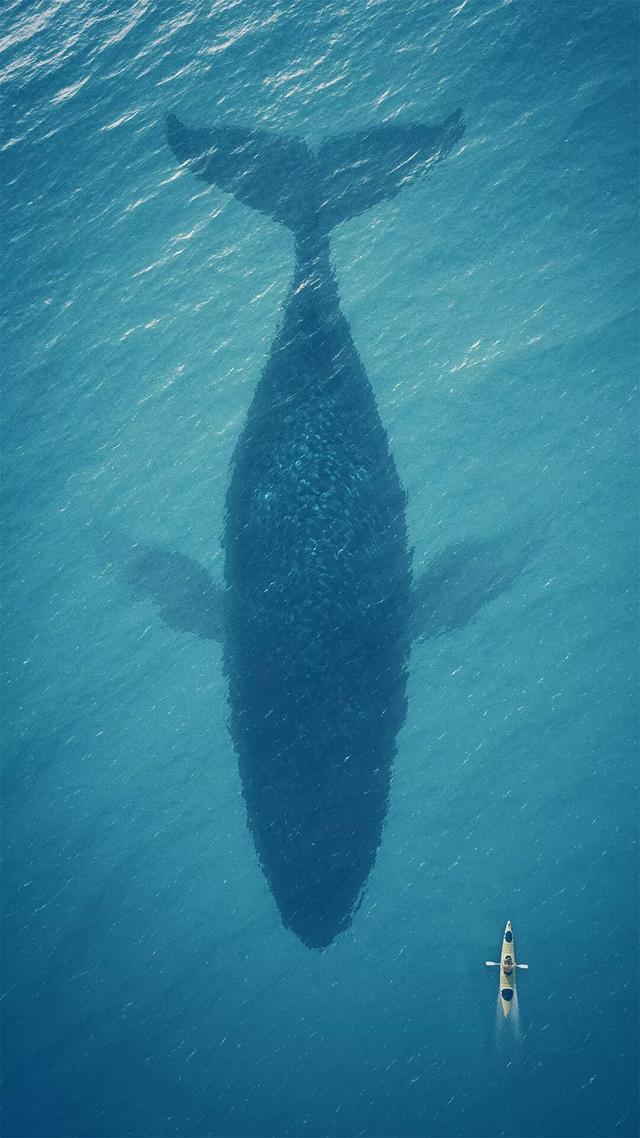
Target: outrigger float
(507, 968)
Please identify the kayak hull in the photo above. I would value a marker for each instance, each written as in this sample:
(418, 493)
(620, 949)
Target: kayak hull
(507, 980)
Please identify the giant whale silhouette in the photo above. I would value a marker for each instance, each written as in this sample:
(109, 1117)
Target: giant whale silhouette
(315, 618)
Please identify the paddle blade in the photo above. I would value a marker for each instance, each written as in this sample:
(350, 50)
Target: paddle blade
(491, 964)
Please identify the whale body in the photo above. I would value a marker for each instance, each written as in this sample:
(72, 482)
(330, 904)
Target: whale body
(317, 568)
(317, 637)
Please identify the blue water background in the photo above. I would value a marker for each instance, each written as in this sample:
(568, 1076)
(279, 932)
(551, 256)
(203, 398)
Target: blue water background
(150, 988)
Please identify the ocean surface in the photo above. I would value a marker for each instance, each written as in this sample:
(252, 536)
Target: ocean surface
(150, 986)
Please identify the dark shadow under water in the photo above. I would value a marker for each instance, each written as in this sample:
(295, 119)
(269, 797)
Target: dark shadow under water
(315, 613)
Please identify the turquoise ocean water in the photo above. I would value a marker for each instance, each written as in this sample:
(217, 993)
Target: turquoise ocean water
(150, 986)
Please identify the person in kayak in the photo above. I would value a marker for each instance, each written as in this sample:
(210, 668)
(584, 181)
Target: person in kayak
(508, 965)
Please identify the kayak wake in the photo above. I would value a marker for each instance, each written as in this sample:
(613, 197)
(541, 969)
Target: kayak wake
(508, 1029)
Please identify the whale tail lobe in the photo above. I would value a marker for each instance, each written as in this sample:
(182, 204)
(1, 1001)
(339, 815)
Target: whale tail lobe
(281, 177)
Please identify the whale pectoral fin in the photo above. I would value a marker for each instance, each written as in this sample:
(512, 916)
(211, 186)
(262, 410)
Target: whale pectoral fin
(269, 172)
(188, 598)
(360, 169)
(460, 580)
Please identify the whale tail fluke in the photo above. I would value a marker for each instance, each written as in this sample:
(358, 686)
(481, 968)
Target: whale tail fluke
(261, 169)
(281, 177)
(361, 169)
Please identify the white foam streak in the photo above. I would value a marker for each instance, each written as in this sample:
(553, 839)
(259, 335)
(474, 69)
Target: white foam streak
(26, 29)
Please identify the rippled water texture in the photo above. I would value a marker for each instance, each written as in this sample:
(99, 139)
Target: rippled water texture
(151, 986)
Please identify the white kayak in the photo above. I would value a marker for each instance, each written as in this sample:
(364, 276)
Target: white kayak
(507, 966)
